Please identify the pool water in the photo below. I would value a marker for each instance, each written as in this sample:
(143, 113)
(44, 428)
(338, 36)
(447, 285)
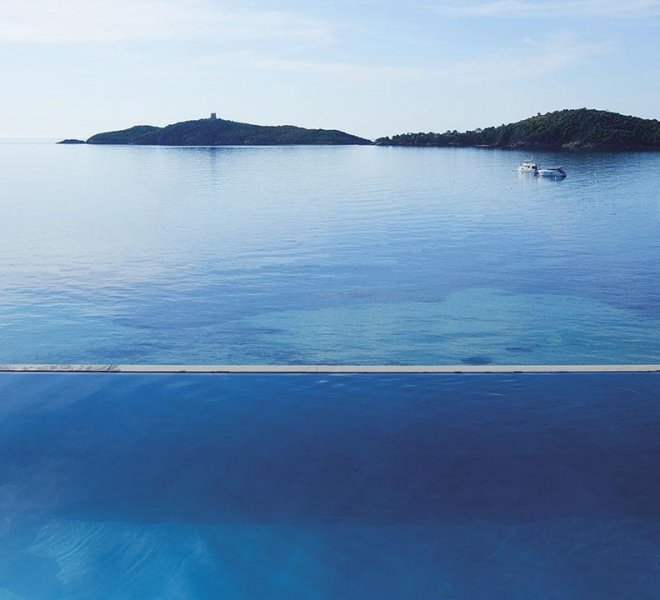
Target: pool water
(284, 486)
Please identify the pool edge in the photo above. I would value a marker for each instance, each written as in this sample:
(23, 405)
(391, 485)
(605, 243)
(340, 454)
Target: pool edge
(137, 368)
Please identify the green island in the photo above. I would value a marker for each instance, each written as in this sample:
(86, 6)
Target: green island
(221, 132)
(570, 129)
(580, 129)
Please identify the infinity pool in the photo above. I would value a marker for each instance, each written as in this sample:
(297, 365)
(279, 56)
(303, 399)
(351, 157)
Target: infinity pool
(509, 486)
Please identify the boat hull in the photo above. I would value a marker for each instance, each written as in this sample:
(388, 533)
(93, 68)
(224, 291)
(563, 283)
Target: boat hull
(551, 173)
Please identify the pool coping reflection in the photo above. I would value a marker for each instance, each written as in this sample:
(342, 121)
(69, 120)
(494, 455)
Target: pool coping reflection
(91, 368)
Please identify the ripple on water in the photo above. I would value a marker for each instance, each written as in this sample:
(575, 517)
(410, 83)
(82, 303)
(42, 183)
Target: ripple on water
(477, 360)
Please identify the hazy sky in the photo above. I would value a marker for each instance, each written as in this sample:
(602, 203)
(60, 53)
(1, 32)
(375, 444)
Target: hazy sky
(71, 68)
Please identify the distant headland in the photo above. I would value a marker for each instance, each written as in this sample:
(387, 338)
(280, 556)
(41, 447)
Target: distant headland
(220, 132)
(580, 129)
(570, 129)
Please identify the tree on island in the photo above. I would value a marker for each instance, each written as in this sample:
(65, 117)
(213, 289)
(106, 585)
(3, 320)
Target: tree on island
(565, 129)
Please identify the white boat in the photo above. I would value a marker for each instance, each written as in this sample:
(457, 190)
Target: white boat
(557, 172)
(528, 167)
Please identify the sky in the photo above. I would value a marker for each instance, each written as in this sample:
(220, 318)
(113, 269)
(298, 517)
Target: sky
(72, 68)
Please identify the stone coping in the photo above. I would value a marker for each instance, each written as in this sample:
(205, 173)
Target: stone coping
(88, 368)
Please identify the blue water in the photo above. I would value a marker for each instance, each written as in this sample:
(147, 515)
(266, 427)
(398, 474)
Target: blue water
(322, 487)
(326, 255)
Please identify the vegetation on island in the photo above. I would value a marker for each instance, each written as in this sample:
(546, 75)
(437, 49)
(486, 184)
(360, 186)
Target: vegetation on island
(126, 136)
(582, 128)
(220, 132)
(564, 129)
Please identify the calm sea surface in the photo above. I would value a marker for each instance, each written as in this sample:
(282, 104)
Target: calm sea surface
(326, 255)
(308, 487)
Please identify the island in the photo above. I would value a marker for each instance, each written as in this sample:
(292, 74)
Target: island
(71, 141)
(578, 129)
(221, 132)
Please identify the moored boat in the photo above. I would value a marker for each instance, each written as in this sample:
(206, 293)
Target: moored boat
(528, 167)
(557, 172)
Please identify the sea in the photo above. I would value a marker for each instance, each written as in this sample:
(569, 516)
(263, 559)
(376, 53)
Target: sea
(334, 255)
(321, 486)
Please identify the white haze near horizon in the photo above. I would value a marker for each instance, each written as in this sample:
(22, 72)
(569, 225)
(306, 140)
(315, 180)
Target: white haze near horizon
(71, 68)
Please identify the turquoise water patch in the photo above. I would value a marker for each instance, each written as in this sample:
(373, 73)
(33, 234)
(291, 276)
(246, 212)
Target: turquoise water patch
(486, 325)
(474, 326)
